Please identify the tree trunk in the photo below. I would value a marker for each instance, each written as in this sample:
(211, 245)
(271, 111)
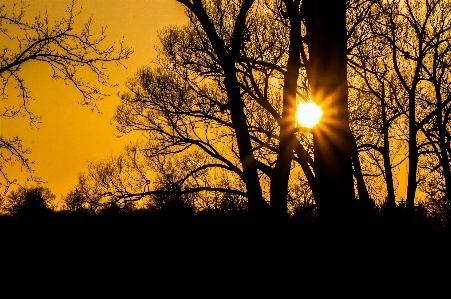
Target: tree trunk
(413, 156)
(443, 145)
(391, 203)
(327, 73)
(256, 203)
(365, 202)
(287, 144)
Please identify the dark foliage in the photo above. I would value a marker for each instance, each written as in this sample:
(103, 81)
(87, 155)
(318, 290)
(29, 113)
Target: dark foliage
(29, 202)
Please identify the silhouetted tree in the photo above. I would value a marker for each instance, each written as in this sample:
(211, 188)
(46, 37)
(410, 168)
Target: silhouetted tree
(61, 47)
(159, 184)
(105, 183)
(376, 119)
(404, 64)
(327, 74)
(29, 201)
(76, 202)
(224, 80)
(238, 104)
(218, 89)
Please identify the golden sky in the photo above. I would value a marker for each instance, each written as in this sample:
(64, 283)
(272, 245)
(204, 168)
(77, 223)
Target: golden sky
(70, 134)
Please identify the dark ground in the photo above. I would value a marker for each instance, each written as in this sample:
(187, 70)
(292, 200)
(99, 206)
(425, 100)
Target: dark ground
(150, 255)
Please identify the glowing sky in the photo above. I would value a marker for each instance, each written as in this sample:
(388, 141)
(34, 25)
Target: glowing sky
(70, 135)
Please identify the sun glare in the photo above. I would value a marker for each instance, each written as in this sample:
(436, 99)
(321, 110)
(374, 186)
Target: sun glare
(308, 114)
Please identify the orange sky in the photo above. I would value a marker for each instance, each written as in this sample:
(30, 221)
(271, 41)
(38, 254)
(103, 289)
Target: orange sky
(70, 135)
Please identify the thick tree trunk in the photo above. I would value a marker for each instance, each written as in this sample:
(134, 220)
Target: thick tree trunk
(327, 74)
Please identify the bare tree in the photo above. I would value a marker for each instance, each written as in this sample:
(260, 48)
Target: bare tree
(227, 87)
(224, 80)
(405, 69)
(376, 118)
(70, 53)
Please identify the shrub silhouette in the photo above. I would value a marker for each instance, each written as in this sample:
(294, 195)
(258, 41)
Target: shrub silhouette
(29, 201)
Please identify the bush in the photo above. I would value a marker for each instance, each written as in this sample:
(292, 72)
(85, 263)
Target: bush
(29, 201)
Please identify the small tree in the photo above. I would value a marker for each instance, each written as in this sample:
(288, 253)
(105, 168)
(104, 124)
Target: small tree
(29, 201)
(76, 202)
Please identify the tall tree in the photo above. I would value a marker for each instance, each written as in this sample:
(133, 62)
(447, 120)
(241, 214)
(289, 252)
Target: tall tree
(227, 57)
(327, 73)
(404, 66)
(194, 87)
(200, 62)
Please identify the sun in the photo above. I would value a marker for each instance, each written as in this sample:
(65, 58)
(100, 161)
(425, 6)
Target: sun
(308, 114)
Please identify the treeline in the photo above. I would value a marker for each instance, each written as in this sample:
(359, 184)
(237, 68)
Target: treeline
(39, 203)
